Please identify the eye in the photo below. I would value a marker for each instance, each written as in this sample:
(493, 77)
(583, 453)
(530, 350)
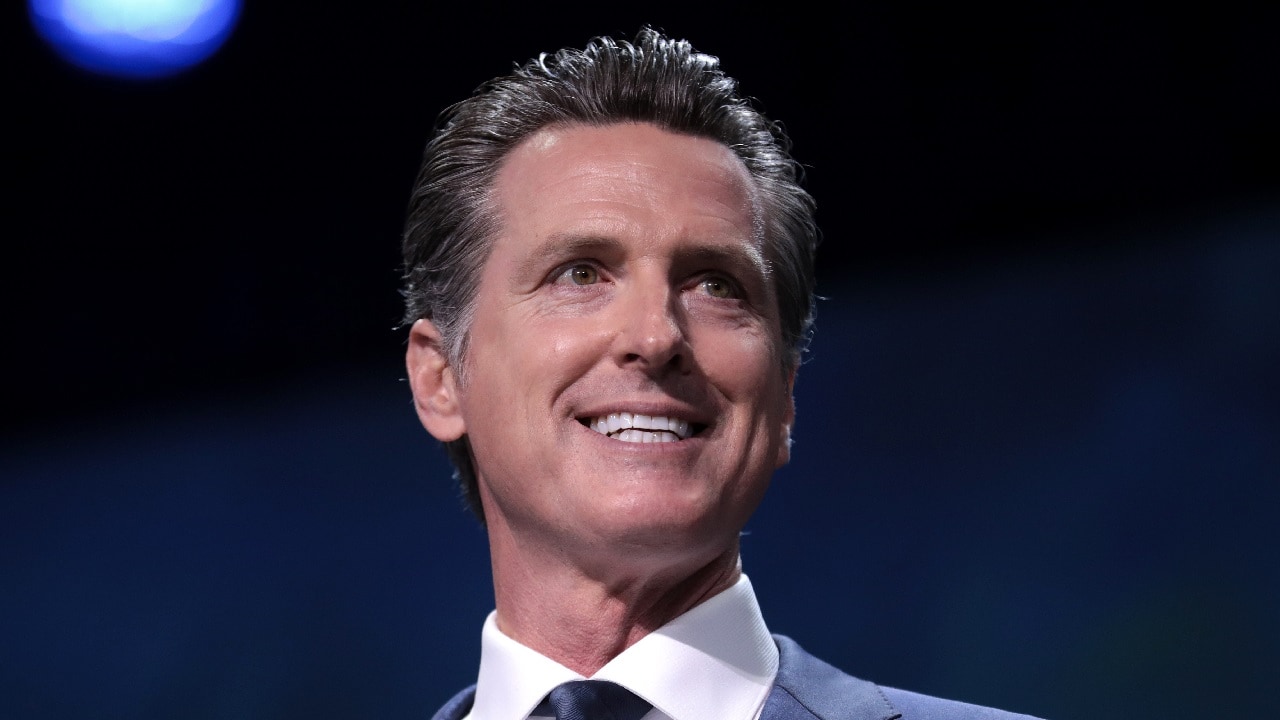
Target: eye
(580, 275)
(718, 287)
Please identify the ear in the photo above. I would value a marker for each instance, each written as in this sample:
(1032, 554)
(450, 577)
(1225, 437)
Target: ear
(788, 419)
(434, 383)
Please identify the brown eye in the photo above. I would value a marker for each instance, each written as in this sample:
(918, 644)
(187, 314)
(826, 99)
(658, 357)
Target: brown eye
(717, 287)
(582, 275)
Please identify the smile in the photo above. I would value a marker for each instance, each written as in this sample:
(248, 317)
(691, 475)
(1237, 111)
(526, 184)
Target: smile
(631, 427)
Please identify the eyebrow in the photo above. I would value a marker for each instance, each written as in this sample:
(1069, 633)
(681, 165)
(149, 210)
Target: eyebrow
(565, 245)
(743, 256)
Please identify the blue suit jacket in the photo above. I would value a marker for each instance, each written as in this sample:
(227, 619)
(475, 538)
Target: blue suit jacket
(809, 689)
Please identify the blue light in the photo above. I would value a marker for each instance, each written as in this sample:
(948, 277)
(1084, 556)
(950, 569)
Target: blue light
(141, 39)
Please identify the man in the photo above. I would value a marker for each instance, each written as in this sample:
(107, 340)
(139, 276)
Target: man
(609, 276)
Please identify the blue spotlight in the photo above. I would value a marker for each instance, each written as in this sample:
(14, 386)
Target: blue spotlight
(140, 39)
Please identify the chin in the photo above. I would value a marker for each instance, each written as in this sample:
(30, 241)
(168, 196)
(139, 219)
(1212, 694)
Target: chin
(669, 531)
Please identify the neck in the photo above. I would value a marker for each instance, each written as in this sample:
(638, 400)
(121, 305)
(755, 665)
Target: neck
(583, 615)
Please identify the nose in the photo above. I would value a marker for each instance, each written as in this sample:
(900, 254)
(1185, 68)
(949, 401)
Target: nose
(650, 332)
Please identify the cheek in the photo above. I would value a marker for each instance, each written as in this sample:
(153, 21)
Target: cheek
(568, 347)
(565, 342)
(749, 373)
(536, 359)
(743, 360)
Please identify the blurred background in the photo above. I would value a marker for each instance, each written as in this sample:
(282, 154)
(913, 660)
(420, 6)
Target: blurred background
(1037, 461)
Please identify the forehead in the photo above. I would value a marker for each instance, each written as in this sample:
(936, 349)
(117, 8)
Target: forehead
(627, 174)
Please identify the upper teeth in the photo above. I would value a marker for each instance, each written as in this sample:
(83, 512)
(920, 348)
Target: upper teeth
(631, 427)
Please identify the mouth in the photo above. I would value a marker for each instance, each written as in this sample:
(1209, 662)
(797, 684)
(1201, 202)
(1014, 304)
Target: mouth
(637, 428)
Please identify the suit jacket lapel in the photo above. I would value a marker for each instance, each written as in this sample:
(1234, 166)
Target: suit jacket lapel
(458, 706)
(809, 688)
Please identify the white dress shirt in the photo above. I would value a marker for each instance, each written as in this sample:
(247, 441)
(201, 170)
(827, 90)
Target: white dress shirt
(715, 661)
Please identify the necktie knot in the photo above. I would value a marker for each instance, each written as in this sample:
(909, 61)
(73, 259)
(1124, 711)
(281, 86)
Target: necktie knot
(595, 700)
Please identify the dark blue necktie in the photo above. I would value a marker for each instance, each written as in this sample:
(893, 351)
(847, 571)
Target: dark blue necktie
(595, 700)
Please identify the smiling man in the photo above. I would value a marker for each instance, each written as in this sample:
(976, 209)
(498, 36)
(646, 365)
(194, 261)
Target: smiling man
(608, 279)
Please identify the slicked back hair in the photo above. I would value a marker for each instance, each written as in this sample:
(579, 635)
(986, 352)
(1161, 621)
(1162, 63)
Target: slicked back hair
(452, 218)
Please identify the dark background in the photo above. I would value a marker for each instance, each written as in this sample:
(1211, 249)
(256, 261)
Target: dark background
(1038, 448)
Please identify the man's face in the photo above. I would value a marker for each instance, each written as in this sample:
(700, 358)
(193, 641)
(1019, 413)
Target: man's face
(623, 385)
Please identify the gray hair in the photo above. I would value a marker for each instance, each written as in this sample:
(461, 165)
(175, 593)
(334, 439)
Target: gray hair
(451, 220)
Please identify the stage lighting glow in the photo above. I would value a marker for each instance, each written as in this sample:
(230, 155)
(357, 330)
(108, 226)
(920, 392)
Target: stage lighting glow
(135, 38)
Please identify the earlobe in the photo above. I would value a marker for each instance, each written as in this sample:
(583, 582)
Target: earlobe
(434, 384)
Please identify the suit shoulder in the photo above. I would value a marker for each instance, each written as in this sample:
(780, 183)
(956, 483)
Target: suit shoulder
(915, 706)
(808, 688)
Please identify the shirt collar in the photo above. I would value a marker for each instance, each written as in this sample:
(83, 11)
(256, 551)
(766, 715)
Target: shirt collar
(513, 678)
(720, 646)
